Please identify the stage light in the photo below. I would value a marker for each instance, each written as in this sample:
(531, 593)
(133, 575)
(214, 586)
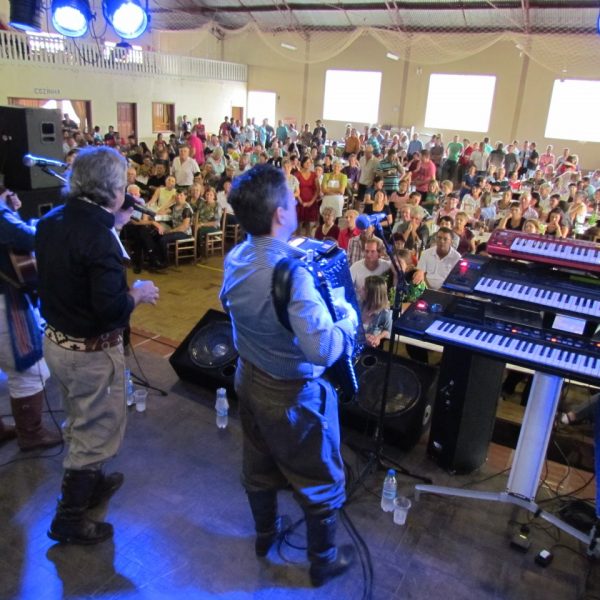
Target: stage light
(127, 17)
(71, 17)
(26, 15)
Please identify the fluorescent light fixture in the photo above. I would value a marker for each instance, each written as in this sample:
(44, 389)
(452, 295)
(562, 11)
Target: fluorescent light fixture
(392, 56)
(26, 15)
(288, 46)
(71, 17)
(128, 18)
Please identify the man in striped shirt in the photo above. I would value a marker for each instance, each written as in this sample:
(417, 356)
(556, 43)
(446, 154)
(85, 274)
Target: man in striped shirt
(287, 409)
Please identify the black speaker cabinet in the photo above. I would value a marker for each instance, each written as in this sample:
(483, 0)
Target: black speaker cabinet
(465, 410)
(410, 397)
(207, 356)
(36, 131)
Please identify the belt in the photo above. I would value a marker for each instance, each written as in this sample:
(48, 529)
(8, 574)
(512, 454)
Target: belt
(92, 344)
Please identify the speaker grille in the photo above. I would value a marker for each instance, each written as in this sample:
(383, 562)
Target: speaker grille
(212, 345)
(404, 390)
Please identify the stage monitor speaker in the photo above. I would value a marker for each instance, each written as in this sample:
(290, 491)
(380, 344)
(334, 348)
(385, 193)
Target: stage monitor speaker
(36, 131)
(411, 391)
(465, 410)
(207, 356)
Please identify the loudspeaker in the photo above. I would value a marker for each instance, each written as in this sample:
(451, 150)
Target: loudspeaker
(465, 410)
(207, 356)
(411, 391)
(36, 131)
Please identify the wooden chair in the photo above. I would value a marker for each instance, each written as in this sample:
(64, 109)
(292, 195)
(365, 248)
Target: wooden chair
(215, 242)
(233, 232)
(187, 247)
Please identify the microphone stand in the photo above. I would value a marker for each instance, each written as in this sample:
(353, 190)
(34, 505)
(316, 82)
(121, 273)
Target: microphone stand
(376, 456)
(50, 171)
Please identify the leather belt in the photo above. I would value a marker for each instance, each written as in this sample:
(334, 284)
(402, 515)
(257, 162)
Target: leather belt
(92, 344)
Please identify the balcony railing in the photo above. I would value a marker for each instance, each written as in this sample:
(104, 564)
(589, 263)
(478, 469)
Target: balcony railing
(57, 51)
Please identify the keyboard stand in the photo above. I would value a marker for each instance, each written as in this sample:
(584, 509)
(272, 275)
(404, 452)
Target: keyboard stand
(528, 460)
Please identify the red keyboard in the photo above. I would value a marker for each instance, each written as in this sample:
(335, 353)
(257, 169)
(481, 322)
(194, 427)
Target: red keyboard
(570, 253)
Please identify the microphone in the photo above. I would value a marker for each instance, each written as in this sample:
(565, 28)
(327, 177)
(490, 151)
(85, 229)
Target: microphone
(132, 202)
(39, 161)
(363, 221)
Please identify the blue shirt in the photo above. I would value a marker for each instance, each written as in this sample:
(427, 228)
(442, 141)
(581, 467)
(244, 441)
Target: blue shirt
(317, 342)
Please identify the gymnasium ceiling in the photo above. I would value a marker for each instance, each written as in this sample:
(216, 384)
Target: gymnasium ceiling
(522, 16)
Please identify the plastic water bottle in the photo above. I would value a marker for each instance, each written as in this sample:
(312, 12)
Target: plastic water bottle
(129, 387)
(388, 495)
(222, 408)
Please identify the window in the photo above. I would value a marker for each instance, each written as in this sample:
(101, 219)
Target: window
(261, 105)
(163, 117)
(573, 113)
(352, 96)
(460, 102)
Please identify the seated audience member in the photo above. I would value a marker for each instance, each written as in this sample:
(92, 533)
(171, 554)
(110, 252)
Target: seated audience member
(449, 207)
(414, 232)
(328, 230)
(375, 311)
(217, 161)
(378, 205)
(527, 203)
(180, 226)
(468, 181)
(208, 215)
(470, 202)
(371, 264)
(500, 182)
(466, 238)
(515, 220)
(163, 197)
(431, 201)
(195, 195)
(514, 183)
(554, 228)
(532, 226)
(577, 211)
(415, 278)
(486, 213)
(438, 261)
(503, 205)
(224, 207)
(402, 218)
(350, 231)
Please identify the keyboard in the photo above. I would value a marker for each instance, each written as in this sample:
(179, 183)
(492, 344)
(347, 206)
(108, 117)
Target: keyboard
(574, 254)
(521, 284)
(507, 334)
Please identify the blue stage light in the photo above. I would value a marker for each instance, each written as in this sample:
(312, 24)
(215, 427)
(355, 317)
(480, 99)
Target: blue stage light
(71, 17)
(127, 17)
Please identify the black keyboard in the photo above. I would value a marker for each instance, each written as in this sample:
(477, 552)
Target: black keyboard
(511, 335)
(526, 284)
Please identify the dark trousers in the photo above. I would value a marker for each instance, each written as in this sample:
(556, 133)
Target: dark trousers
(291, 436)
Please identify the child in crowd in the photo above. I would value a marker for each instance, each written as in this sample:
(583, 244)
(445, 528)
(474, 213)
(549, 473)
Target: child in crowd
(375, 311)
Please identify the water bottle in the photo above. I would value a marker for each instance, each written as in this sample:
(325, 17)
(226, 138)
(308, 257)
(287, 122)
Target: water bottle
(222, 408)
(129, 388)
(390, 487)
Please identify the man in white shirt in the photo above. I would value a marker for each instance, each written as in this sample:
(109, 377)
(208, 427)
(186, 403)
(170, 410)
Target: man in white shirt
(371, 264)
(439, 260)
(184, 168)
(368, 165)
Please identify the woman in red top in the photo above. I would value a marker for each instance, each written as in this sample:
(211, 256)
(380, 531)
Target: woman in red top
(308, 209)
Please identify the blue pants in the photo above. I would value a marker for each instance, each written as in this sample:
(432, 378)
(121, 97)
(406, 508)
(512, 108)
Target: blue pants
(291, 437)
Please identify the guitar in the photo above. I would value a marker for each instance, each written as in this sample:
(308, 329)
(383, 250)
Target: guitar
(25, 267)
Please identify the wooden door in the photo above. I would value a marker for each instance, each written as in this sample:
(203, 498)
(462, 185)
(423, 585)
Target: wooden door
(126, 119)
(237, 112)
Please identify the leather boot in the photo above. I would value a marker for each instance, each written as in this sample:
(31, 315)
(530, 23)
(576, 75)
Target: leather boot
(266, 522)
(27, 413)
(7, 432)
(106, 487)
(326, 560)
(70, 524)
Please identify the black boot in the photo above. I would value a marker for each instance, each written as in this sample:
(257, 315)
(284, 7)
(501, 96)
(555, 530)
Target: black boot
(267, 524)
(105, 488)
(70, 524)
(326, 560)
